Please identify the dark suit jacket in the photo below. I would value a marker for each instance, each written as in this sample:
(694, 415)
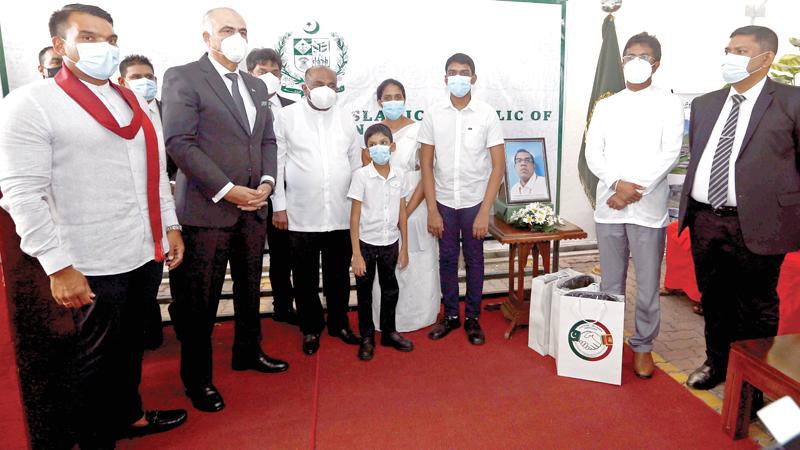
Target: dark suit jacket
(285, 101)
(212, 144)
(767, 169)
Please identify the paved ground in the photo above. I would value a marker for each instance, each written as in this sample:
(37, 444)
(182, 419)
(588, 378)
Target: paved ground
(680, 344)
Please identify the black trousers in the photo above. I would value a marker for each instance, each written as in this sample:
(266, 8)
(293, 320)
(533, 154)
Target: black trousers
(384, 258)
(280, 268)
(110, 346)
(738, 287)
(306, 248)
(196, 286)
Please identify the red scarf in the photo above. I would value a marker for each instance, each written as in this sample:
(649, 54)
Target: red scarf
(91, 104)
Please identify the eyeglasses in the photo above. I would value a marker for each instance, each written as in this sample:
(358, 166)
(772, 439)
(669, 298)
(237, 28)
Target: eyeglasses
(523, 161)
(646, 58)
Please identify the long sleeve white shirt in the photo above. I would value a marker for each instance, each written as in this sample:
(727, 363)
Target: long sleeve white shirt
(635, 137)
(317, 153)
(76, 191)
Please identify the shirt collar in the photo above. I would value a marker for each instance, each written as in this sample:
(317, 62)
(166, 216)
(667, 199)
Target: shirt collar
(373, 172)
(222, 70)
(97, 89)
(470, 106)
(750, 94)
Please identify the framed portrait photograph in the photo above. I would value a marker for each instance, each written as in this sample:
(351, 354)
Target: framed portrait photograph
(527, 178)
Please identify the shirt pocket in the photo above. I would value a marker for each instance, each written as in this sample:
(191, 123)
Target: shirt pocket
(474, 137)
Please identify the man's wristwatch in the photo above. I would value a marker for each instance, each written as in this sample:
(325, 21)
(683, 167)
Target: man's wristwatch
(174, 227)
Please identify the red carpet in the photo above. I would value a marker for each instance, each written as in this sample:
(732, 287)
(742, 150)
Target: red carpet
(444, 394)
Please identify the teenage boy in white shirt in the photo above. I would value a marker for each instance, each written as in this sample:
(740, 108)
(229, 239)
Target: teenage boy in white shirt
(460, 184)
(633, 141)
(377, 221)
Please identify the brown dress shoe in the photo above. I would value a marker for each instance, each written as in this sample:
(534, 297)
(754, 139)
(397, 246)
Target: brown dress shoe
(643, 365)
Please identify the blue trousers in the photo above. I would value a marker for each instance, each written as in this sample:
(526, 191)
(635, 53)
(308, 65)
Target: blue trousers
(457, 235)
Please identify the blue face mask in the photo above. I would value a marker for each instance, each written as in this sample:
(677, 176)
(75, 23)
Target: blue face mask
(380, 154)
(392, 110)
(459, 85)
(145, 87)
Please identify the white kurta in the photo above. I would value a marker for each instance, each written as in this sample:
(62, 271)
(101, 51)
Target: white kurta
(420, 291)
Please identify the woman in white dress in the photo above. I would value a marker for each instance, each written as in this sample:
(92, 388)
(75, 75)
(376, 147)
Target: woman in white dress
(420, 292)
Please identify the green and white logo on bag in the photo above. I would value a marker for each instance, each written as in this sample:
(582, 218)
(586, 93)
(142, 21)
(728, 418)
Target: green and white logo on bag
(590, 340)
(302, 49)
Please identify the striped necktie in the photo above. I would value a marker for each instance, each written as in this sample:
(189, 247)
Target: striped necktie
(718, 184)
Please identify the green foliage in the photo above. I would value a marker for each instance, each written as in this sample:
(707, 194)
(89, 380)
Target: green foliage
(786, 68)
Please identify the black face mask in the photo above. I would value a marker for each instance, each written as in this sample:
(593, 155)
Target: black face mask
(52, 71)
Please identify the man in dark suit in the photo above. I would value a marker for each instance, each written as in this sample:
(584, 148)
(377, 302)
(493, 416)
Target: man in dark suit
(741, 197)
(218, 129)
(265, 63)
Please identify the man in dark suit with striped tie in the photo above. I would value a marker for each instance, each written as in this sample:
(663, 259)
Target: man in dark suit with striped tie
(218, 129)
(741, 197)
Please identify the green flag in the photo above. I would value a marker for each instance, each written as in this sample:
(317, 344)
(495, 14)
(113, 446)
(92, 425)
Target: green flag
(3, 74)
(608, 80)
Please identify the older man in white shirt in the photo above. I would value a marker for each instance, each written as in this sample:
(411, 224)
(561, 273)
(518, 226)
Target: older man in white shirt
(318, 149)
(82, 170)
(633, 141)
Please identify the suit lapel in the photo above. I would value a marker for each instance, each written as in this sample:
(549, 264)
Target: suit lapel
(762, 103)
(706, 121)
(252, 86)
(221, 89)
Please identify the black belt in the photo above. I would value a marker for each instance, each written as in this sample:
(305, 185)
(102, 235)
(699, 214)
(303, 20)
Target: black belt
(721, 211)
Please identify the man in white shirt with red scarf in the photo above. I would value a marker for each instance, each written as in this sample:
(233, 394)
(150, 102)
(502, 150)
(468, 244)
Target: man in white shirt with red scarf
(83, 173)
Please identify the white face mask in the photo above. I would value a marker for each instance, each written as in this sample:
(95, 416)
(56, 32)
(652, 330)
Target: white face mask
(99, 60)
(234, 47)
(637, 71)
(322, 97)
(145, 87)
(734, 67)
(273, 83)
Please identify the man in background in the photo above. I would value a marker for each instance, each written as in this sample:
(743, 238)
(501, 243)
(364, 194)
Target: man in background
(49, 62)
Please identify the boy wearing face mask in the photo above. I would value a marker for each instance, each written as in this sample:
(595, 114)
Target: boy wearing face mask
(460, 185)
(634, 140)
(377, 221)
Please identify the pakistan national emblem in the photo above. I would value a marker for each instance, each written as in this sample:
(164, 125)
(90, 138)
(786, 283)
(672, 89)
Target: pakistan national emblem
(302, 50)
(590, 340)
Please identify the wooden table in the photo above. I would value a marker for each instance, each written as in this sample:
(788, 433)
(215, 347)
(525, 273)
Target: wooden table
(523, 243)
(771, 365)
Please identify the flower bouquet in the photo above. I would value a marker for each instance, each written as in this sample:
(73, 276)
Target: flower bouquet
(537, 217)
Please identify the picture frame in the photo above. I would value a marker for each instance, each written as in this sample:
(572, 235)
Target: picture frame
(533, 165)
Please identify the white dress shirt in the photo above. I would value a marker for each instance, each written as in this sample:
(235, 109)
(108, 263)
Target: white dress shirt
(250, 109)
(635, 137)
(380, 203)
(76, 191)
(534, 189)
(317, 152)
(462, 163)
(275, 103)
(702, 176)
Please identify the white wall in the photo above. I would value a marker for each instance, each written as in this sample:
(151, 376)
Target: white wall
(693, 34)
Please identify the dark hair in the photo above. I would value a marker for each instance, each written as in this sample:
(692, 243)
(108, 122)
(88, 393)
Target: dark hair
(134, 60)
(389, 82)
(522, 150)
(261, 55)
(460, 58)
(42, 53)
(766, 38)
(59, 18)
(377, 128)
(645, 39)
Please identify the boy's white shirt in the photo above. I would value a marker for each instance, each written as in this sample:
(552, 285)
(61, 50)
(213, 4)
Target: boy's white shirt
(380, 203)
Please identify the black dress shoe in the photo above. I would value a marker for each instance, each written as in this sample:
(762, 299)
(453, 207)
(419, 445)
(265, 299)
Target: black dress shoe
(705, 377)
(367, 348)
(310, 343)
(157, 422)
(206, 398)
(260, 363)
(288, 316)
(444, 327)
(347, 336)
(474, 333)
(397, 341)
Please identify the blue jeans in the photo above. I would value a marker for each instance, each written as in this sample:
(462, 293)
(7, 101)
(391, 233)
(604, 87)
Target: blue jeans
(457, 234)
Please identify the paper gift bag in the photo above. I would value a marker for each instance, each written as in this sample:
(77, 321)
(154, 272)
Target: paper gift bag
(578, 282)
(590, 336)
(541, 299)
